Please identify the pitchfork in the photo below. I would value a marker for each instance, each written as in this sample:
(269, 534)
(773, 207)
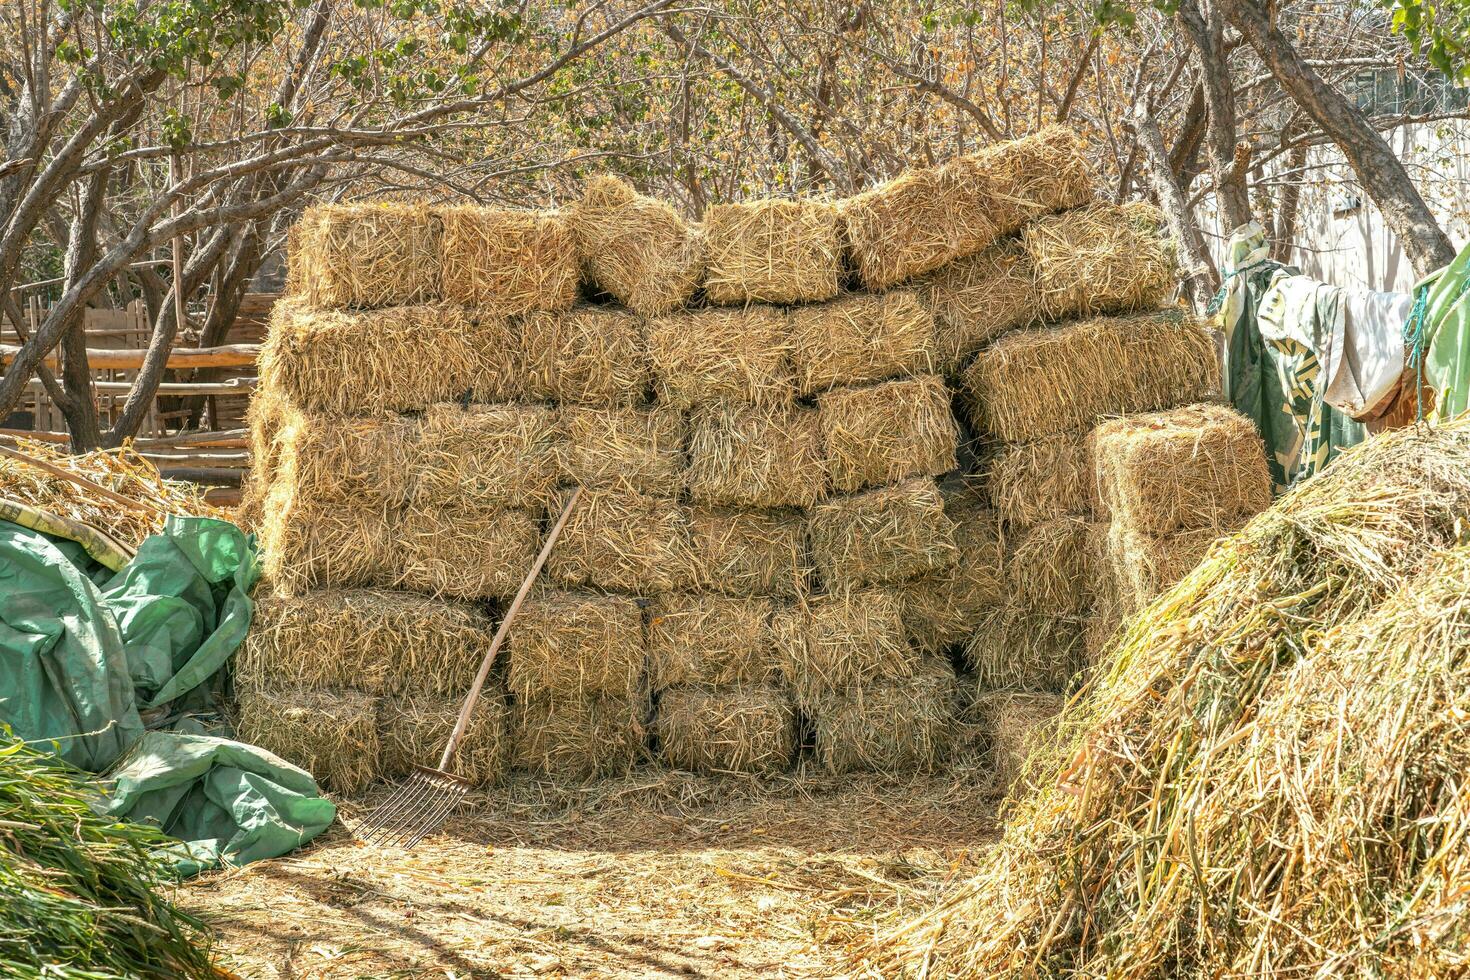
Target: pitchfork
(421, 805)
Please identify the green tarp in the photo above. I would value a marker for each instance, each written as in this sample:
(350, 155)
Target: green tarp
(1447, 325)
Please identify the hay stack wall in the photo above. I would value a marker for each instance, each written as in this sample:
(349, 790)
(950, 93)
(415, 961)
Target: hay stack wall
(780, 538)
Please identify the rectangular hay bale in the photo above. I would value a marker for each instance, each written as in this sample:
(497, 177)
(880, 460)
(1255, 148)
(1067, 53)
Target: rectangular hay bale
(366, 255)
(888, 432)
(713, 355)
(486, 456)
(1051, 567)
(345, 459)
(1042, 480)
(1145, 565)
(325, 545)
(331, 734)
(710, 640)
(638, 249)
(578, 738)
(896, 725)
(588, 355)
(976, 299)
(842, 639)
(1103, 258)
(750, 728)
(507, 261)
(747, 456)
(943, 608)
(772, 252)
(576, 644)
(860, 339)
(414, 728)
(882, 536)
(1013, 648)
(749, 552)
(466, 549)
(639, 449)
(624, 541)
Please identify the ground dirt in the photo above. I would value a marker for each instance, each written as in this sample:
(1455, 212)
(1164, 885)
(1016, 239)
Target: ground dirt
(661, 875)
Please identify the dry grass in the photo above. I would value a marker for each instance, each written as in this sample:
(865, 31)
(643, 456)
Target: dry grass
(413, 730)
(1013, 647)
(486, 456)
(504, 262)
(305, 546)
(579, 739)
(498, 374)
(1017, 722)
(976, 299)
(639, 449)
(465, 548)
(772, 252)
(636, 248)
(1039, 383)
(1051, 568)
(1202, 466)
(888, 432)
(892, 725)
(266, 413)
(944, 608)
(1035, 175)
(882, 536)
(584, 356)
(859, 339)
(745, 729)
(1034, 482)
(709, 640)
(745, 456)
(331, 734)
(374, 641)
(1104, 258)
(1144, 565)
(749, 552)
(840, 640)
(346, 460)
(394, 360)
(625, 541)
(738, 355)
(366, 255)
(573, 645)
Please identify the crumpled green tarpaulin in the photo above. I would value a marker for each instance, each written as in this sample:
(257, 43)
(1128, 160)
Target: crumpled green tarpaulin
(1447, 313)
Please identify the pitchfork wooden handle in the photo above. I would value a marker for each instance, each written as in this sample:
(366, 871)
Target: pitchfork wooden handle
(462, 722)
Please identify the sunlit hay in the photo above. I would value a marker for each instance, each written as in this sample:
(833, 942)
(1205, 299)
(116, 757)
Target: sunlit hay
(486, 455)
(749, 728)
(507, 261)
(859, 339)
(1278, 727)
(414, 728)
(626, 541)
(710, 640)
(579, 738)
(265, 415)
(639, 449)
(497, 374)
(636, 248)
(1104, 258)
(466, 549)
(772, 252)
(840, 640)
(326, 545)
(1035, 175)
(574, 644)
(943, 608)
(887, 432)
(584, 356)
(1013, 647)
(749, 552)
(347, 459)
(400, 359)
(1202, 466)
(1033, 482)
(1017, 722)
(1108, 606)
(1144, 565)
(976, 299)
(882, 536)
(375, 641)
(747, 456)
(366, 255)
(1051, 568)
(737, 355)
(1037, 383)
(331, 734)
(894, 725)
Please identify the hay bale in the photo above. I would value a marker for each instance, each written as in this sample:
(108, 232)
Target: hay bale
(265, 415)
(1104, 258)
(1035, 175)
(976, 299)
(498, 372)
(1201, 466)
(331, 734)
(465, 548)
(709, 640)
(336, 459)
(571, 645)
(706, 356)
(746, 456)
(860, 339)
(1017, 722)
(413, 730)
(1051, 568)
(1042, 480)
(1013, 647)
(900, 725)
(505, 261)
(374, 641)
(366, 255)
(1146, 565)
(943, 608)
(486, 456)
(882, 536)
(750, 728)
(749, 552)
(888, 432)
(624, 541)
(1038, 383)
(325, 545)
(578, 739)
(638, 249)
(772, 252)
(395, 360)
(842, 639)
(584, 356)
(635, 449)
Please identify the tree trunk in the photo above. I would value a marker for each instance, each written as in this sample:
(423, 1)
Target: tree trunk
(1227, 164)
(1289, 212)
(1380, 173)
(1199, 281)
(76, 373)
